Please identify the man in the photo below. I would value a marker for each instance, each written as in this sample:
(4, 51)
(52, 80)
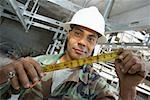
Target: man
(84, 30)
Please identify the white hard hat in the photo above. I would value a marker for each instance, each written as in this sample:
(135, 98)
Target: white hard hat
(90, 18)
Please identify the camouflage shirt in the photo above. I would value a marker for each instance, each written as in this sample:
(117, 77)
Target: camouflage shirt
(82, 84)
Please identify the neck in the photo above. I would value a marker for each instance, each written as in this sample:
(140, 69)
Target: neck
(65, 57)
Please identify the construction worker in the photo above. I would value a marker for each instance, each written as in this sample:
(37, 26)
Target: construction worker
(85, 30)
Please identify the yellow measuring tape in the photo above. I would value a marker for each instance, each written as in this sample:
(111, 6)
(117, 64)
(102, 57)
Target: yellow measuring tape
(79, 62)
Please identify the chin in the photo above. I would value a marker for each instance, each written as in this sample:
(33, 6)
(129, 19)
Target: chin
(77, 56)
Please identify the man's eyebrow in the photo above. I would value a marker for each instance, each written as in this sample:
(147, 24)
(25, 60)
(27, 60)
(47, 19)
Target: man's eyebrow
(79, 29)
(93, 35)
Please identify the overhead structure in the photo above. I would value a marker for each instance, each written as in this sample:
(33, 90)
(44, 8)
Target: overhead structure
(29, 14)
(127, 24)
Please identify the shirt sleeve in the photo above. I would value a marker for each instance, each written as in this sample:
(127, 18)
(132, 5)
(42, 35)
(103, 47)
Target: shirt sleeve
(105, 90)
(4, 89)
(40, 90)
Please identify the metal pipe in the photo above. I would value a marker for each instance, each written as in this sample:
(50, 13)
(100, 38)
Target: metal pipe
(54, 46)
(48, 49)
(108, 7)
(62, 47)
(1, 11)
(66, 4)
(33, 8)
(33, 17)
(17, 10)
(27, 4)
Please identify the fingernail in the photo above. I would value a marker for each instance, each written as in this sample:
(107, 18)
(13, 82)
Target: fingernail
(17, 88)
(121, 67)
(34, 84)
(35, 79)
(41, 74)
(122, 70)
(27, 85)
(120, 57)
(130, 71)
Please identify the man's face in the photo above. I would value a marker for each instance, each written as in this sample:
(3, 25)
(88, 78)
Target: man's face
(81, 42)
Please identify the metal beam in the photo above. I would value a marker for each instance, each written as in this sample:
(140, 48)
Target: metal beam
(66, 4)
(5, 4)
(10, 16)
(108, 7)
(36, 24)
(42, 18)
(33, 15)
(136, 25)
(1, 11)
(27, 4)
(13, 17)
(34, 11)
(133, 46)
(148, 41)
(47, 27)
(18, 12)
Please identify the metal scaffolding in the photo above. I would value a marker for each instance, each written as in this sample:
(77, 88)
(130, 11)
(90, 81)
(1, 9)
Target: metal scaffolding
(26, 18)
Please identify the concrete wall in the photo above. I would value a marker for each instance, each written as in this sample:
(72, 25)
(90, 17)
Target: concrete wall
(33, 42)
(131, 16)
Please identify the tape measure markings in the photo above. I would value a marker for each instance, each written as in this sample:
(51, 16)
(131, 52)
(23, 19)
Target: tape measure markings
(79, 62)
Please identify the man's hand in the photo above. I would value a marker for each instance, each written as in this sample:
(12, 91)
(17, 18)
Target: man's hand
(27, 72)
(131, 71)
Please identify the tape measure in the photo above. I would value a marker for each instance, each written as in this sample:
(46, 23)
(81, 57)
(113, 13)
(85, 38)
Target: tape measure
(82, 61)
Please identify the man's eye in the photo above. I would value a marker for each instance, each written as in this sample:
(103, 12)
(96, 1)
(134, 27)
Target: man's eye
(91, 39)
(77, 33)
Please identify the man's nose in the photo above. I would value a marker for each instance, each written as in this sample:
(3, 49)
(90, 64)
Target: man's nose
(82, 42)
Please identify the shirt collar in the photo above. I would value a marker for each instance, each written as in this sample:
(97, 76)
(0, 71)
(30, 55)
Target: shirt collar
(80, 74)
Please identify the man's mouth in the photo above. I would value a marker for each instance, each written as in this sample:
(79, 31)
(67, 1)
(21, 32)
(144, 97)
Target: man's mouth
(79, 51)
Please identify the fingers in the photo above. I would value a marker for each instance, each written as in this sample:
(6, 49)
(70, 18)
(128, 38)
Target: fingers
(120, 50)
(138, 68)
(125, 57)
(36, 66)
(27, 71)
(31, 71)
(135, 68)
(124, 54)
(118, 67)
(14, 82)
(130, 62)
(22, 76)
